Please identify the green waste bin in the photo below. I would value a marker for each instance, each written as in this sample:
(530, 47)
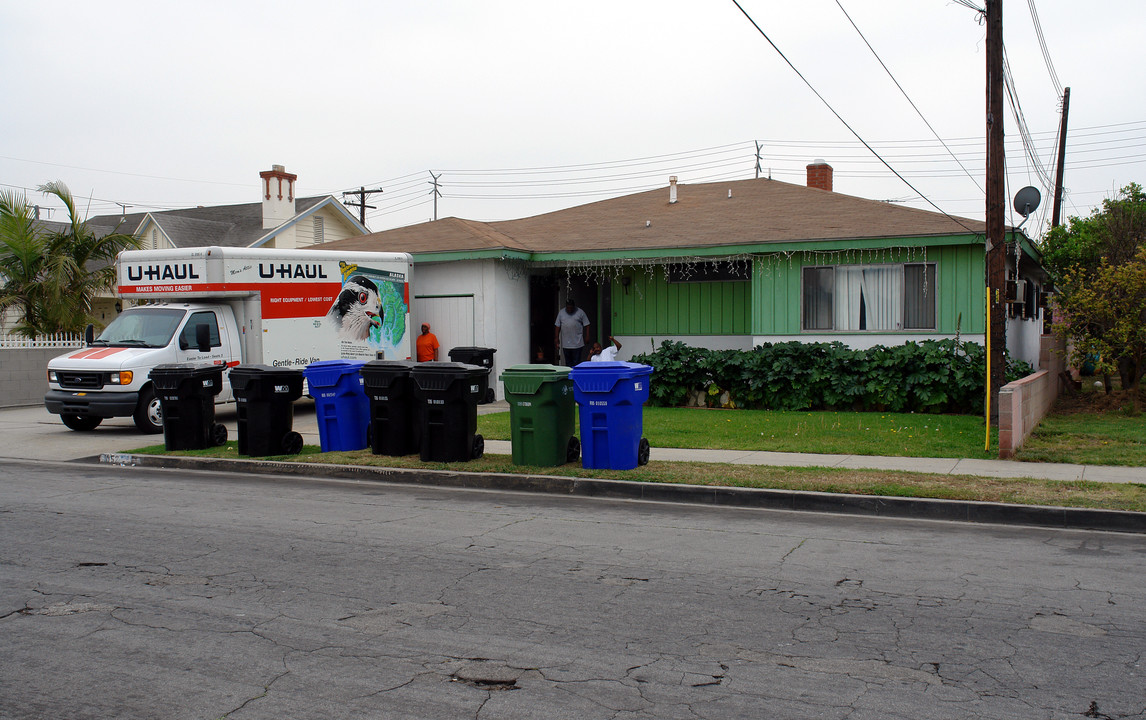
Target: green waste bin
(541, 415)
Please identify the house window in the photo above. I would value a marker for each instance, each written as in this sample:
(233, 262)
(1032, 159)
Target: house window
(869, 298)
(819, 283)
(319, 229)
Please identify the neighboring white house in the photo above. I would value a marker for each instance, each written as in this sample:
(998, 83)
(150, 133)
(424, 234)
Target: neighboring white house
(280, 219)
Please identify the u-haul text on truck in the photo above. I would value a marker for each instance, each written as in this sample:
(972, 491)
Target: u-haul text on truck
(283, 308)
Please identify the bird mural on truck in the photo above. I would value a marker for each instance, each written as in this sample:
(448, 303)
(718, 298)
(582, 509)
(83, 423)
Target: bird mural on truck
(357, 311)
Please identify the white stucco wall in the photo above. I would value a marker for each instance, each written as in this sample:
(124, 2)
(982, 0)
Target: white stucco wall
(500, 308)
(1024, 338)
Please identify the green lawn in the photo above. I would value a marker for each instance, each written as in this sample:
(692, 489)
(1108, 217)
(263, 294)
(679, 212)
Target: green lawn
(848, 433)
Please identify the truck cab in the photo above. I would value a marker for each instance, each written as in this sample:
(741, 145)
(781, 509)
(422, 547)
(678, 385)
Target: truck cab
(111, 377)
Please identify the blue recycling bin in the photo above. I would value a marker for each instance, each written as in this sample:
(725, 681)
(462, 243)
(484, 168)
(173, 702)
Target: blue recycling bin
(610, 397)
(341, 406)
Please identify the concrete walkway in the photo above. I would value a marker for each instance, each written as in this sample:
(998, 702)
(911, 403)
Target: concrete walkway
(33, 433)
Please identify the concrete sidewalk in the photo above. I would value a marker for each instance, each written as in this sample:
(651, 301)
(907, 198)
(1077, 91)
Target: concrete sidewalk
(33, 433)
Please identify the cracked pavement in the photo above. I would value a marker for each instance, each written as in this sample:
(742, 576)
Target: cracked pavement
(135, 593)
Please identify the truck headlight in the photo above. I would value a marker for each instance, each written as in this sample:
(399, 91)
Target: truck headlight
(52, 376)
(120, 378)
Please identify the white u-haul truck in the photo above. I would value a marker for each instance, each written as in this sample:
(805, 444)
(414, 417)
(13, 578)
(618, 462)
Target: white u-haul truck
(282, 308)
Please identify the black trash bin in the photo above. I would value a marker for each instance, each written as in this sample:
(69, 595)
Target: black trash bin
(187, 393)
(395, 426)
(476, 356)
(448, 394)
(264, 399)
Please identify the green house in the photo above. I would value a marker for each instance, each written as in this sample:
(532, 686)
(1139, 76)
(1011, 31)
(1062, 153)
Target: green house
(719, 265)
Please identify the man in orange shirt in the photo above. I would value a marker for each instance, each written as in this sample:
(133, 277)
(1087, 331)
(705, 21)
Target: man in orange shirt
(427, 345)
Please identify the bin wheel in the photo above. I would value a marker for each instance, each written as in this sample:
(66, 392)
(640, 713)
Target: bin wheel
(479, 447)
(643, 452)
(489, 395)
(292, 443)
(218, 434)
(82, 423)
(573, 452)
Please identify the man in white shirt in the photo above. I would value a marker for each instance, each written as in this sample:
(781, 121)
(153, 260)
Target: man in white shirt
(609, 354)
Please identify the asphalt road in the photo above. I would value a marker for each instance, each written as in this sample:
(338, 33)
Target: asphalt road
(141, 593)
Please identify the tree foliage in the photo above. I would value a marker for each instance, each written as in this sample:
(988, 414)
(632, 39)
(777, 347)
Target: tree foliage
(52, 278)
(1098, 265)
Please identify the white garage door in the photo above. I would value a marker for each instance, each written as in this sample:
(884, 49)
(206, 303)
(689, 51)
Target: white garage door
(451, 318)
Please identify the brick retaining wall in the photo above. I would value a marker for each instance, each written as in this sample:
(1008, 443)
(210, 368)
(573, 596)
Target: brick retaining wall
(1024, 403)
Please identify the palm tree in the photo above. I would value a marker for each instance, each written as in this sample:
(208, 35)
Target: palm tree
(21, 264)
(54, 277)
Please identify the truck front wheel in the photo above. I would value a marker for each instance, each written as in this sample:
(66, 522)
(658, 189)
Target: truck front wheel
(81, 422)
(149, 412)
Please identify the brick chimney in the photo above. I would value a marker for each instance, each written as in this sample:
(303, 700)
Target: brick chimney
(820, 175)
(278, 196)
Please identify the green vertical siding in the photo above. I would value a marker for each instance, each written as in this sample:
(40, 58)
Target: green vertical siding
(770, 303)
(776, 284)
(652, 306)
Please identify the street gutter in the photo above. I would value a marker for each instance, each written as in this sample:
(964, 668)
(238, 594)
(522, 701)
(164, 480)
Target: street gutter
(732, 497)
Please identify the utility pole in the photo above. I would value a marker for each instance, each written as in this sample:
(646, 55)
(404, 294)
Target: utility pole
(435, 192)
(758, 146)
(362, 193)
(123, 211)
(996, 249)
(1056, 213)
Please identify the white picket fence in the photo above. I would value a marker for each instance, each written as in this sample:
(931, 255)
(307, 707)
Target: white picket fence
(58, 340)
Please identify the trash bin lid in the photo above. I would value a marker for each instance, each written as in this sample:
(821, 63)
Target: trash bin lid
(384, 373)
(325, 373)
(185, 368)
(452, 368)
(390, 365)
(470, 349)
(254, 369)
(439, 375)
(528, 379)
(602, 376)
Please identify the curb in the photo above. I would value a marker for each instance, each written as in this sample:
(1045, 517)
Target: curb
(755, 498)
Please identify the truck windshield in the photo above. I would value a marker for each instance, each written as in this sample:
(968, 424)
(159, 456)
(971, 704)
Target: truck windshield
(139, 327)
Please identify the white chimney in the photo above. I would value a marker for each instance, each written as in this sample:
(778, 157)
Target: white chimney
(278, 196)
(672, 189)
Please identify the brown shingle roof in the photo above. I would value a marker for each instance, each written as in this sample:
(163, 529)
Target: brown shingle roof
(705, 215)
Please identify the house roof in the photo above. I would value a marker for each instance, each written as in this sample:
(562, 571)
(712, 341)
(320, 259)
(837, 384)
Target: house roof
(707, 215)
(224, 225)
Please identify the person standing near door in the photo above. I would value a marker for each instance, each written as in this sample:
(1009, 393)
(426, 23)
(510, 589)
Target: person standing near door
(571, 332)
(427, 345)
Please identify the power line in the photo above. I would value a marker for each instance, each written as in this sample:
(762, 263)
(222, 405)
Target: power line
(833, 111)
(906, 96)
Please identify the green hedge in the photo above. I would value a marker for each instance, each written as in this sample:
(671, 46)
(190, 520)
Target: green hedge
(934, 376)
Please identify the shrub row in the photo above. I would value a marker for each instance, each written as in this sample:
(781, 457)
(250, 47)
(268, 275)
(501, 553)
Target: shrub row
(933, 376)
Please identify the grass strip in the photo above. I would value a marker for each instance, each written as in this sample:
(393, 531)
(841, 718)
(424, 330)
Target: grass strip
(1108, 496)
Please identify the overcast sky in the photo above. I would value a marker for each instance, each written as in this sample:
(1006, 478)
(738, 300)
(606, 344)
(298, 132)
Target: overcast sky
(527, 106)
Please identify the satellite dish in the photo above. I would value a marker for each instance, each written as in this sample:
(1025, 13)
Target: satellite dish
(1027, 200)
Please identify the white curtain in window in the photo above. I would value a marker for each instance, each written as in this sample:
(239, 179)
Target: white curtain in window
(869, 297)
(883, 296)
(849, 286)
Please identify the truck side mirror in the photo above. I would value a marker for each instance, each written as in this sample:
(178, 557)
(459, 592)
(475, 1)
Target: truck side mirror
(203, 337)
(89, 335)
